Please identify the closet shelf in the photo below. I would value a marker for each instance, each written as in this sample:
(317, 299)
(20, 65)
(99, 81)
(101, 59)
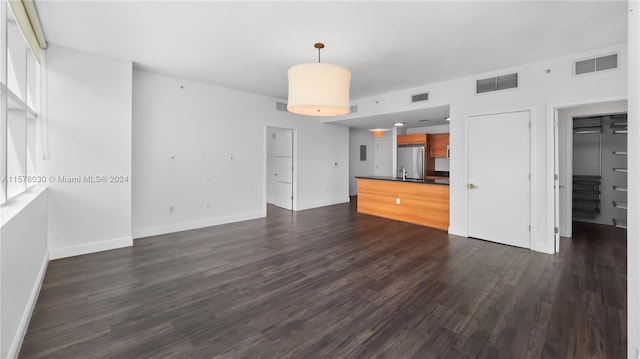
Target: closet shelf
(15, 103)
(586, 178)
(620, 188)
(620, 223)
(586, 131)
(586, 196)
(621, 205)
(620, 169)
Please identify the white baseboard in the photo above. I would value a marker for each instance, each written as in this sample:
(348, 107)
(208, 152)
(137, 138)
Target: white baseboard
(71, 251)
(185, 226)
(21, 331)
(328, 202)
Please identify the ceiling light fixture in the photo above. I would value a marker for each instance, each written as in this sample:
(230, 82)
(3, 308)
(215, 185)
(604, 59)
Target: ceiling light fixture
(319, 89)
(447, 118)
(398, 124)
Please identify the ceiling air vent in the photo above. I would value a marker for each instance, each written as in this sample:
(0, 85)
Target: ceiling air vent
(420, 97)
(281, 106)
(596, 64)
(497, 83)
(353, 109)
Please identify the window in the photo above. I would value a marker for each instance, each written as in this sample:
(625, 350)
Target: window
(20, 96)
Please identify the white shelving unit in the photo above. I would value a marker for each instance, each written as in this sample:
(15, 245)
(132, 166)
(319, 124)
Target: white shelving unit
(619, 127)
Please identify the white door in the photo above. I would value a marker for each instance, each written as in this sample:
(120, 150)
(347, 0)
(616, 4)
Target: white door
(282, 175)
(498, 187)
(384, 158)
(556, 183)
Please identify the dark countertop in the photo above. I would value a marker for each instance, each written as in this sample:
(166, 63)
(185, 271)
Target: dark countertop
(410, 180)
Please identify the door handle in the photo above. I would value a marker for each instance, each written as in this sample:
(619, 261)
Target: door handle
(471, 186)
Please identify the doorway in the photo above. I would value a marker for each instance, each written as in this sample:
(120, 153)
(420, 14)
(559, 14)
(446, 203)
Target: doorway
(280, 167)
(499, 181)
(590, 166)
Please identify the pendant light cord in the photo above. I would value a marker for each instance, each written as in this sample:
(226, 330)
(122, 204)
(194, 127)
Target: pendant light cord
(319, 46)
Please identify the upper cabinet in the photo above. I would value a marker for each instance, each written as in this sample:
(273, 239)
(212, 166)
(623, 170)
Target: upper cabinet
(413, 139)
(439, 145)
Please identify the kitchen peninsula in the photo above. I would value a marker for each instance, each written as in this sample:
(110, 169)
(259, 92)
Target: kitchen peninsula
(424, 202)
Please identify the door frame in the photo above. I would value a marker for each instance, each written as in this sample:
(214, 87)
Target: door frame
(294, 161)
(532, 160)
(553, 199)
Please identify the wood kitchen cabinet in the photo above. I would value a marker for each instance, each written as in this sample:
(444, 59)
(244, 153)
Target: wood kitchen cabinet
(439, 145)
(413, 139)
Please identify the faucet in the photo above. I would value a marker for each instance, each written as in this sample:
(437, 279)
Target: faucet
(404, 173)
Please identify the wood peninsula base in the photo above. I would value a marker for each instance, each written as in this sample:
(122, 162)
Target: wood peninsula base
(424, 202)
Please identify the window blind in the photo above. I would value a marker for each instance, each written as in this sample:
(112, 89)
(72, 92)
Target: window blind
(27, 17)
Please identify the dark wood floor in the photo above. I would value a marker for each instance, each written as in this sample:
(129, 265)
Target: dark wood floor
(329, 282)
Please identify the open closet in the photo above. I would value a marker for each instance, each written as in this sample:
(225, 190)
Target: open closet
(599, 167)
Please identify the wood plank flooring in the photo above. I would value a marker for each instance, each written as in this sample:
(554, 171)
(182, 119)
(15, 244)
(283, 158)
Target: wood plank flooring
(332, 283)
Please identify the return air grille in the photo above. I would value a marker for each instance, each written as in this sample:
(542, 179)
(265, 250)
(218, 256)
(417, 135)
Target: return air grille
(420, 97)
(596, 64)
(281, 106)
(497, 83)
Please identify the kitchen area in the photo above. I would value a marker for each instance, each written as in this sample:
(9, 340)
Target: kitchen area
(411, 185)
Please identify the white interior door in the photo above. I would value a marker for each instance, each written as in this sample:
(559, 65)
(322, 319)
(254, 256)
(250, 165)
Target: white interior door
(556, 183)
(499, 184)
(282, 171)
(564, 169)
(384, 160)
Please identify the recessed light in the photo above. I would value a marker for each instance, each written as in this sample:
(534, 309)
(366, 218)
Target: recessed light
(398, 124)
(448, 118)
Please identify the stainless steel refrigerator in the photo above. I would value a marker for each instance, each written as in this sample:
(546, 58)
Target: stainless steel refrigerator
(411, 158)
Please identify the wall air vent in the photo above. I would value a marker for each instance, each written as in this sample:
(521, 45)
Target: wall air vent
(596, 64)
(420, 97)
(353, 109)
(497, 83)
(281, 106)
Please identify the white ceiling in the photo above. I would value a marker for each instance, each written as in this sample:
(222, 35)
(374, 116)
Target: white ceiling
(387, 45)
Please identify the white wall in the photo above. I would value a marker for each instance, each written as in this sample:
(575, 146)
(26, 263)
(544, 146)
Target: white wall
(23, 259)
(217, 138)
(357, 167)
(538, 91)
(633, 244)
(88, 107)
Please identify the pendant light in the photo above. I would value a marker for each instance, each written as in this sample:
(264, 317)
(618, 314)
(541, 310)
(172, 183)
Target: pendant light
(317, 89)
